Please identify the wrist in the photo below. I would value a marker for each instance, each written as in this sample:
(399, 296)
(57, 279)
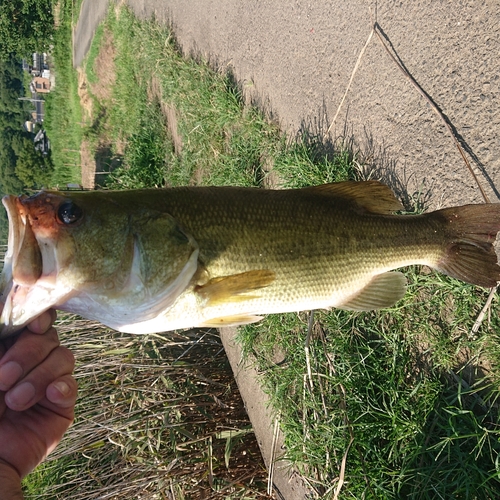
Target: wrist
(11, 483)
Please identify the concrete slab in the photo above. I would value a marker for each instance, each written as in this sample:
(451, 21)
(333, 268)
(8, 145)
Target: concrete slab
(287, 483)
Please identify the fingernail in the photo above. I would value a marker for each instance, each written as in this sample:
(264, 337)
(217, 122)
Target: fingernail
(21, 395)
(62, 387)
(10, 373)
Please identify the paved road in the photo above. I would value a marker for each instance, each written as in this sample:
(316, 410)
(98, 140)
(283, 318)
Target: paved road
(296, 59)
(91, 14)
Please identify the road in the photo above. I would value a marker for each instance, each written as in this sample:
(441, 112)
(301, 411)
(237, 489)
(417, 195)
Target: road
(92, 12)
(295, 60)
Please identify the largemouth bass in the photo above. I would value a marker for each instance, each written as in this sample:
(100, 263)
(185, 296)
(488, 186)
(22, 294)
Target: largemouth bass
(146, 261)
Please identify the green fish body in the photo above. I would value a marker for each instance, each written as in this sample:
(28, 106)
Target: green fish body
(147, 261)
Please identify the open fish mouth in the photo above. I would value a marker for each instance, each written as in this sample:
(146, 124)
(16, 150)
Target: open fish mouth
(128, 276)
(24, 291)
(22, 262)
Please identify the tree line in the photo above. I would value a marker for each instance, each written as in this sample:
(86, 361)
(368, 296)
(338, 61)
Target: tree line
(26, 26)
(21, 165)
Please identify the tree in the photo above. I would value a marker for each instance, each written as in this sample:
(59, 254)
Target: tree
(13, 112)
(9, 182)
(32, 168)
(26, 26)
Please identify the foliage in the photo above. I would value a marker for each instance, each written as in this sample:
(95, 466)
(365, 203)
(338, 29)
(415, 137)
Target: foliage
(26, 26)
(33, 169)
(63, 115)
(13, 113)
(160, 424)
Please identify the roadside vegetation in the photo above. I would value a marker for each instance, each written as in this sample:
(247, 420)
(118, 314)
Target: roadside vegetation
(63, 115)
(397, 404)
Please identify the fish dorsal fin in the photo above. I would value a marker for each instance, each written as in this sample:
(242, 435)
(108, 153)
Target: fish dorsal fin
(372, 196)
(230, 321)
(236, 287)
(384, 290)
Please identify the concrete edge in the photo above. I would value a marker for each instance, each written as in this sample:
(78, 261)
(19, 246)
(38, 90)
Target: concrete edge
(287, 484)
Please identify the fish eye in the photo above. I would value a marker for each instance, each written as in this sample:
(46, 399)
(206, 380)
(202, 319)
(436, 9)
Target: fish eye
(69, 213)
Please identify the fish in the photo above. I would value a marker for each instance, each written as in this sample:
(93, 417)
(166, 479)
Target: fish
(155, 260)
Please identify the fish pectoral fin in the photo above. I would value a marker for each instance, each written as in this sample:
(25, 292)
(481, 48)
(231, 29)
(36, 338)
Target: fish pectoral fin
(236, 287)
(230, 321)
(372, 196)
(384, 290)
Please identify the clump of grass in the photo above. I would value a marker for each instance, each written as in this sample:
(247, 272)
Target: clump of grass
(93, 54)
(166, 420)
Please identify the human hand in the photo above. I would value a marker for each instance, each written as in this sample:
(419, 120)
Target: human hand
(37, 402)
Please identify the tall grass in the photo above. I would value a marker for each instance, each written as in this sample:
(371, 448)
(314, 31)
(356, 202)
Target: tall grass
(62, 107)
(182, 122)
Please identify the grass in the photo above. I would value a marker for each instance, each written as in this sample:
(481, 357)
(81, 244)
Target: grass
(62, 107)
(181, 122)
(398, 404)
(166, 413)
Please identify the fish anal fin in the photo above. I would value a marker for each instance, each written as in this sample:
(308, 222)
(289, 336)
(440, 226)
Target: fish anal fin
(236, 287)
(230, 321)
(371, 196)
(384, 290)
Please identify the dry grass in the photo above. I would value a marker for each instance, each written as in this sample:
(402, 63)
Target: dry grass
(104, 69)
(158, 417)
(87, 162)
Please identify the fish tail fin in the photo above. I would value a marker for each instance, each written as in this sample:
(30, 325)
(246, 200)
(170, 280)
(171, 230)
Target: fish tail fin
(470, 254)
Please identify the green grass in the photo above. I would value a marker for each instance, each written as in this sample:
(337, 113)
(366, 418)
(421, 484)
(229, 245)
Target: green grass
(404, 385)
(63, 114)
(93, 53)
(220, 141)
(407, 396)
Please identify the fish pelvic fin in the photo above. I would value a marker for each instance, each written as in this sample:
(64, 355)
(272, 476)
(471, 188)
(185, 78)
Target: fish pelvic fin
(230, 321)
(370, 196)
(236, 287)
(471, 231)
(384, 290)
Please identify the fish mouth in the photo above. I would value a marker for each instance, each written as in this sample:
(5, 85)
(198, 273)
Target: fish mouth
(22, 271)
